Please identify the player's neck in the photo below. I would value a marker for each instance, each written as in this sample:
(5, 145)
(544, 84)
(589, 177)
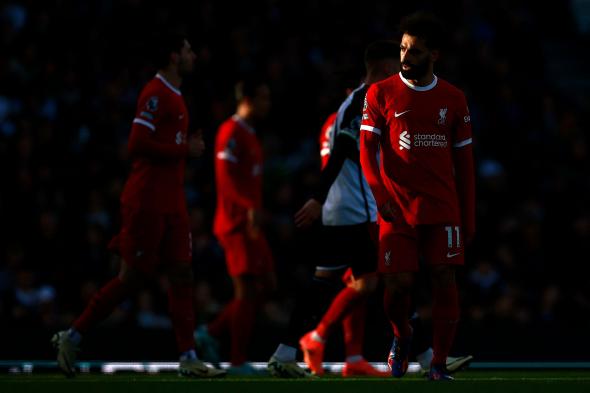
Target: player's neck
(424, 81)
(245, 113)
(171, 76)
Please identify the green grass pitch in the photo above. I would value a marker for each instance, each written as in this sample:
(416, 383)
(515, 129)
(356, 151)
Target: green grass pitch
(472, 381)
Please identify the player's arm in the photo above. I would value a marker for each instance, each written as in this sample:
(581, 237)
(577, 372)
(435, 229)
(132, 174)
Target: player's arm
(228, 167)
(344, 147)
(370, 142)
(142, 141)
(229, 163)
(464, 170)
(325, 137)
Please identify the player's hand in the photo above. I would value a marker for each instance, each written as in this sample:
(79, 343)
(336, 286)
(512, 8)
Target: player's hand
(388, 211)
(196, 144)
(310, 212)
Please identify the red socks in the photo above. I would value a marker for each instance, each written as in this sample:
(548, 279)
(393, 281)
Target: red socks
(238, 317)
(101, 305)
(397, 309)
(242, 325)
(182, 314)
(221, 323)
(180, 305)
(445, 316)
(340, 307)
(353, 326)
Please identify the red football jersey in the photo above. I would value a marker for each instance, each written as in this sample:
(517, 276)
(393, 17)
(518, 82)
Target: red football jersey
(419, 127)
(158, 147)
(238, 175)
(325, 138)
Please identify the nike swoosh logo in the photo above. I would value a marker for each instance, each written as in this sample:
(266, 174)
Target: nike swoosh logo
(401, 113)
(449, 255)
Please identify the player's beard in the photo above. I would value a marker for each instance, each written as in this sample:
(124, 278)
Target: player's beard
(416, 71)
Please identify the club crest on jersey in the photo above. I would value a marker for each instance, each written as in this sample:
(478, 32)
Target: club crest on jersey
(442, 116)
(152, 104)
(388, 258)
(180, 138)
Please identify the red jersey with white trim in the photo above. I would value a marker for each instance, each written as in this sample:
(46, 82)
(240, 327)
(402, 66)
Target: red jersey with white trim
(158, 147)
(419, 127)
(325, 139)
(238, 175)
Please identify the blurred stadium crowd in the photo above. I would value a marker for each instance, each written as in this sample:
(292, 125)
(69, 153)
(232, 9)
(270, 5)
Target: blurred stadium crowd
(70, 74)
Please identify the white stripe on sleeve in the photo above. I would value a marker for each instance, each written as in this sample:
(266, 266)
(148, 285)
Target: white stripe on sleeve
(463, 143)
(227, 156)
(145, 123)
(371, 129)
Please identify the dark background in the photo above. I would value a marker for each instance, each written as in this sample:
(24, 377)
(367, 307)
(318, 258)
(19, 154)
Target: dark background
(70, 74)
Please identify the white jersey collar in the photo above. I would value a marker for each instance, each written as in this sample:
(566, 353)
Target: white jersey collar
(430, 86)
(168, 84)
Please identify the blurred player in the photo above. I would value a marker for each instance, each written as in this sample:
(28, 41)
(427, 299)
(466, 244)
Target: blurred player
(155, 225)
(352, 323)
(349, 215)
(310, 302)
(237, 226)
(325, 137)
(424, 186)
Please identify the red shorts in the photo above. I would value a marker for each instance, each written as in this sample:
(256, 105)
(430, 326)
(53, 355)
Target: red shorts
(148, 238)
(245, 254)
(401, 245)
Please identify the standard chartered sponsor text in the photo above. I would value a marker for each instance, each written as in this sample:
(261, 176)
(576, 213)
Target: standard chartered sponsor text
(429, 140)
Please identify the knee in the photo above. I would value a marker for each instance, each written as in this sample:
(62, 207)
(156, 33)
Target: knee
(366, 284)
(245, 287)
(132, 278)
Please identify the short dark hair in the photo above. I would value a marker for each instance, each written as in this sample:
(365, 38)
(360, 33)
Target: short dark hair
(380, 50)
(425, 26)
(166, 44)
(247, 87)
